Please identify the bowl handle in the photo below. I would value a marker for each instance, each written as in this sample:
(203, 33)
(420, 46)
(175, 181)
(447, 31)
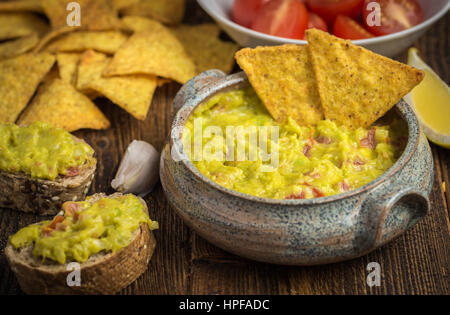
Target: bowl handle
(191, 89)
(376, 208)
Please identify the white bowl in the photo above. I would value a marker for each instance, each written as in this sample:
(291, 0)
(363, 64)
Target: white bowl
(389, 45)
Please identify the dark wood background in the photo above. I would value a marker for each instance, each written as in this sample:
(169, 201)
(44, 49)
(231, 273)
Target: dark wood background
(415, 263)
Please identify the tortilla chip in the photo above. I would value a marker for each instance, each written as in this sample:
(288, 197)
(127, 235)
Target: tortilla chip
(14, 25)
(284, 80)
(59, 104)
(19, 78)
(96, 15)
(139, 23)
(161, 81)
(198, 30)
(169, 12)
(52, 74)
(68, 65)
(157, 52)
(133, 93)
(357, 86)
(203, 45)
(18, 46)
(106, 42)
(21, 6)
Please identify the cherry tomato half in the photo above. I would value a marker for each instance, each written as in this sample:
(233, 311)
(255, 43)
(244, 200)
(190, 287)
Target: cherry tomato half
(395, 15)
(284, 18)
(244, 11)
(330, 9)
(316, 21)
(347, 28)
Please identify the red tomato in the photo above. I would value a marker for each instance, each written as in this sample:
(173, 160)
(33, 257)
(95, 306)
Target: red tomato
(396, 16)
(330, 9)
(244, 11)
(316, 21)
(347, 28)
(284, 18)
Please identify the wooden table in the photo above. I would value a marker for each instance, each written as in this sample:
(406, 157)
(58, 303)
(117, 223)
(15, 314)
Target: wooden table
(415, 263)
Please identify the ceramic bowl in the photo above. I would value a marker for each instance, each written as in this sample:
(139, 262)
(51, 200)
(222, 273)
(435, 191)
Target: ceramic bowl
(390, 45)
(294, 232)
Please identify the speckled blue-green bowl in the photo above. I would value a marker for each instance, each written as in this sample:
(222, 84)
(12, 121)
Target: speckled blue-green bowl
(295, 232)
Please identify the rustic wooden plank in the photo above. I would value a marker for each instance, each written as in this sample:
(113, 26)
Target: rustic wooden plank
(10, 222)
(234, 275)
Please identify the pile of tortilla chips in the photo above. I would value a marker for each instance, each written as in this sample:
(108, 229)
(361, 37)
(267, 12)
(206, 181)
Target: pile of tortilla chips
(330, 77)
(123, 50)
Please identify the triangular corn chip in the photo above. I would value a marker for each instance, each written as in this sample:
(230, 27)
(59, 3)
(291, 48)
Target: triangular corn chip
(133, 93)
(357, 86)
(14, 25)
(157, 52)
(207, 50)
(68, 64)
(59, 104)
(95, 15)
(284, 80)
(19, 79)
(18, 46)
(21, 6)
(166, 11)
(106, 42)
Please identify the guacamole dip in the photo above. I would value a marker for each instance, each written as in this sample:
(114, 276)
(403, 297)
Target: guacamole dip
(41, 151)
(86, 228)
(313, 161)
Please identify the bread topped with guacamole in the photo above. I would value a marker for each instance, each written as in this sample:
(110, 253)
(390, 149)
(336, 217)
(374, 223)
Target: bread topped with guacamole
(41, 167)
(109, 237)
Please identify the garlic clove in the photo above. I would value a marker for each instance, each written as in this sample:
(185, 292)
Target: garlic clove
(138, 172)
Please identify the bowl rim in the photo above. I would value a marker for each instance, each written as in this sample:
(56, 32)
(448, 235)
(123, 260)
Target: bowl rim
(233, 81)
(282, 40)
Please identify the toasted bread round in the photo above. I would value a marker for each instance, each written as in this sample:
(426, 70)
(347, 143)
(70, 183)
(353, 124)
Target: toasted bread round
(44, 197)
(103, 273)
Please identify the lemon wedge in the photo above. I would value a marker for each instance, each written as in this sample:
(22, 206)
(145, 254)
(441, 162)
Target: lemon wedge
(431, 102)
